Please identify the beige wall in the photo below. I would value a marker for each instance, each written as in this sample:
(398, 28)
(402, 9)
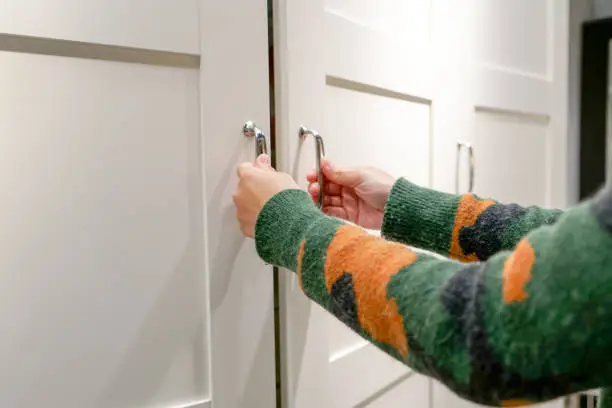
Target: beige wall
(602, 8)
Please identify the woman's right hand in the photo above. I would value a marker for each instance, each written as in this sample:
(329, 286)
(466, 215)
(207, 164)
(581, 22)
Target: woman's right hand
(356, 194)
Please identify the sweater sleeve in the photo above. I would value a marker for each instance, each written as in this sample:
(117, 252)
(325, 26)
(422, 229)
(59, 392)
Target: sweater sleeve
(466, 227)
(528, 325)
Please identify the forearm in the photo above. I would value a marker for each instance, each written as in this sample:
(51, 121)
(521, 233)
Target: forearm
(531, 324)
(463, 227)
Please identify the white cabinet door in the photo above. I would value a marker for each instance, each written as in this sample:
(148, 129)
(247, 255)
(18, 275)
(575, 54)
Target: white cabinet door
(395, 84)
(234, 88)
(506, 95)
(357, 71)
(169, 25)
(125, 280)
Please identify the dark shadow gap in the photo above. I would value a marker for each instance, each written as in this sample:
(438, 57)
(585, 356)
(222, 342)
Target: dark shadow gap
(275, 271)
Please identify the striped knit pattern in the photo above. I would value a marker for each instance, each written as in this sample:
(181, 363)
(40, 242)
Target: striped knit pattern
(527, 319)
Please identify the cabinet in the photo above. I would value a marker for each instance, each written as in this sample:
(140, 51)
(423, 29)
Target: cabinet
(126, 282)
(397, 84)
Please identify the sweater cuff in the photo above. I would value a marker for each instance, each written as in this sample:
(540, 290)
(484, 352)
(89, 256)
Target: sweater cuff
(419, 216)
(281, 225)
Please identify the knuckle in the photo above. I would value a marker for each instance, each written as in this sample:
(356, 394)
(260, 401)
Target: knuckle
(243, 169)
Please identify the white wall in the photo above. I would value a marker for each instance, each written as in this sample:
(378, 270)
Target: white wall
(602, 8)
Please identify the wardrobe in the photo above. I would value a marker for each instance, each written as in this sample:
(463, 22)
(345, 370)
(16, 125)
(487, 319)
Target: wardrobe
(125, 280)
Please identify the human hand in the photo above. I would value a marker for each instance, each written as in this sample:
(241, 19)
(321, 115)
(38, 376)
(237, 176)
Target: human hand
(357, 194)
(257, 184)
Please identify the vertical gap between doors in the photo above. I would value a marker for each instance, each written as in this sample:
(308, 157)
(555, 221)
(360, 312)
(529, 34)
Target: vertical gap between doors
(275, 271)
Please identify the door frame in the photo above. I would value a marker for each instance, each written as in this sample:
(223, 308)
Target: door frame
(596, 36)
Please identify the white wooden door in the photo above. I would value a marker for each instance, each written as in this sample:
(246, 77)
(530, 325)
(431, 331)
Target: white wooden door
(395, 84)
(348, 69)
(510, 102)
(125, 280)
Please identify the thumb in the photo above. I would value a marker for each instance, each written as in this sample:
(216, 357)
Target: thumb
(344, 177)
(263, 162)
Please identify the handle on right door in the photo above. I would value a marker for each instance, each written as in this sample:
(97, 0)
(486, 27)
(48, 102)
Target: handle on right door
(320, 153)
(461, 145)
(251, 130)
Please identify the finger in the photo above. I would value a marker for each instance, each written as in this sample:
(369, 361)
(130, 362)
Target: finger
(349, 201)
(329, 189)
(314, 189)
(343, 177)
(312, 176)
(263, 162)
(328, 199)
(244, 168)
(325, 162)
(332, 201)
(315, 198)
(332, 189)
(335, 212)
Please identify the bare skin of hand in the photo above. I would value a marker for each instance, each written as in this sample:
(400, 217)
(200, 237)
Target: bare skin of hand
(355, 194)
(257, 184)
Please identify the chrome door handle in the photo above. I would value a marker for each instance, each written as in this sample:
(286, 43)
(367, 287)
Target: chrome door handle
(250, 130)
(470, 149)
(320, 153)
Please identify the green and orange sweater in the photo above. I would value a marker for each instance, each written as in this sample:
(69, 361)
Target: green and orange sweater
(522, 314)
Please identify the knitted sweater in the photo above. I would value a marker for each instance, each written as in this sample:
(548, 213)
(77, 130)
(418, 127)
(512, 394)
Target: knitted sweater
(529, 319)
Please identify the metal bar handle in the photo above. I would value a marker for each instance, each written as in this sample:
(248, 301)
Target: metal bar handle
(251, 130)
(470, 149)
(320, 154)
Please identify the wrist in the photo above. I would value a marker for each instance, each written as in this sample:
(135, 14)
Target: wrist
(419, 216)
(376, 190)
(281, 223)
(387, 193)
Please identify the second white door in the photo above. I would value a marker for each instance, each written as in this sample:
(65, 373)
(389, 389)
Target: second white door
(396, 84)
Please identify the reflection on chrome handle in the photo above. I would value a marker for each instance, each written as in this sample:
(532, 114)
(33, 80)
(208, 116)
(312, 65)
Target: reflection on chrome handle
(320, 153)
(470, 149)
(250, 130)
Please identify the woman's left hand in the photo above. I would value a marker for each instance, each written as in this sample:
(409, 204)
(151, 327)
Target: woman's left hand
(257, 184)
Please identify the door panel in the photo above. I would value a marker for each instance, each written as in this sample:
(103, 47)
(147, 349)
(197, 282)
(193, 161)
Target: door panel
(513, 34)
(367, 374)
(234, 86)
(368, 114)
(368, 123)
(125, 272)
(168, 25)
(102, 250)
(410, 391)
(502, 136)
(407, 19)
(350, 48)
(511, 111)
(397, 85)
(388, 131)
(378, 129)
